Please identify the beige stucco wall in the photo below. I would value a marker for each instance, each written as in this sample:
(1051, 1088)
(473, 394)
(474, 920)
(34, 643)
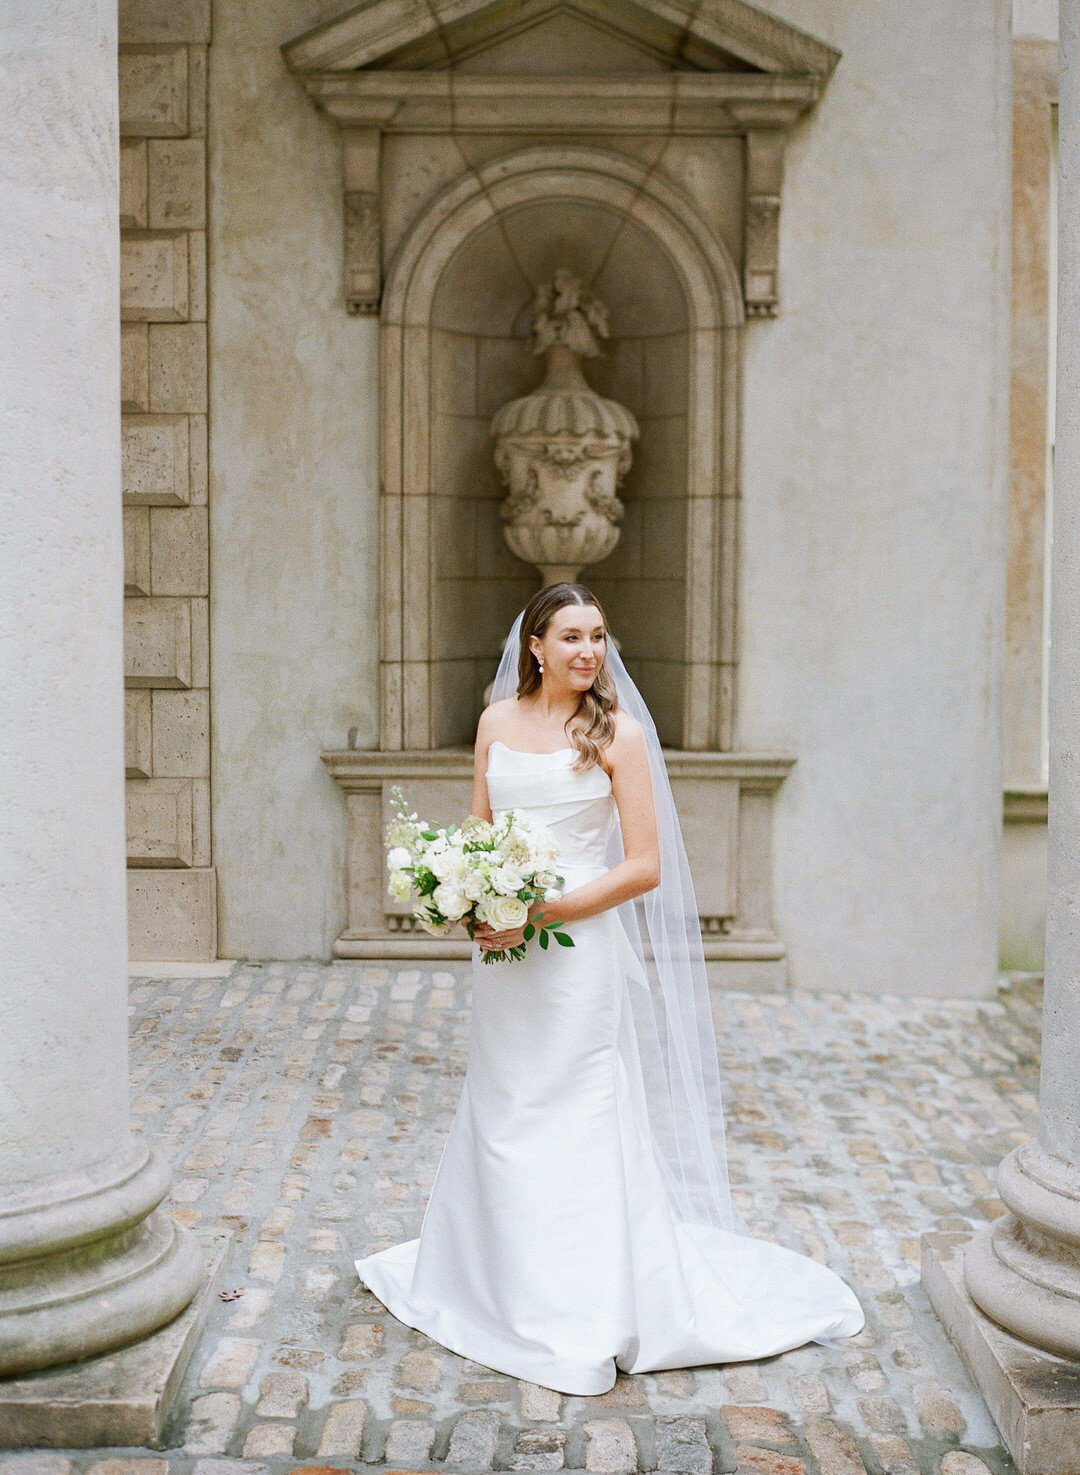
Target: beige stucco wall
(874, 472)
(294, 523)
(874, 456)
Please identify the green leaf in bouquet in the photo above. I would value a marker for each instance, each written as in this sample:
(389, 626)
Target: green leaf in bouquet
(430, 834)
(543, 937)
(562, 938)
(530, 932)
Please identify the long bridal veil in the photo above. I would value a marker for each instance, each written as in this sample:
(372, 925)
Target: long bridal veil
(672, 1014)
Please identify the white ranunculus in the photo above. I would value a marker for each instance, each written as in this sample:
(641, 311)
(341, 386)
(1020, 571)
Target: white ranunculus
(505, 912)
(451, 900)
(397, 858)
(507, 881)
(552, 893)
(400, 886)
(474, 885)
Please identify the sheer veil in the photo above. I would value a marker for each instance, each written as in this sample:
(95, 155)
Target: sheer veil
(672, 1014)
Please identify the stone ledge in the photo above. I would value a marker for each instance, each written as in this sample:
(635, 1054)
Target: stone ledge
(120, 1399)
(1034, 1397)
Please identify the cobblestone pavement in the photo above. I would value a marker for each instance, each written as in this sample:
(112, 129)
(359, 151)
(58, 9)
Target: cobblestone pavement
(304, 1106)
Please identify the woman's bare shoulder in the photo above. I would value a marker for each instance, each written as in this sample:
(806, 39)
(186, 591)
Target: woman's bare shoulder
(495, 718)
(629, 733)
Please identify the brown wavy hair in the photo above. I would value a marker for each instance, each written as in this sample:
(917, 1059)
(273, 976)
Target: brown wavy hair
(600, 702)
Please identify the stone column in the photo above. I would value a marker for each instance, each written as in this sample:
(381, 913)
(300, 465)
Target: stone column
(87, 1260)
(1024, 1271)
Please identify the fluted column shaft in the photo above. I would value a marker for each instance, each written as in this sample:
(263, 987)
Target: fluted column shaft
(86, 1261)
(1025, 1270)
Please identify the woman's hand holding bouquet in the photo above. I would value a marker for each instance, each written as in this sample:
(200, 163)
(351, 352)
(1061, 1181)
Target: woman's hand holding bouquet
(491, 877)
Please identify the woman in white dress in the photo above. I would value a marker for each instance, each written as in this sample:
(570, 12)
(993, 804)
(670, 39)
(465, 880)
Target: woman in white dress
(580, 1220)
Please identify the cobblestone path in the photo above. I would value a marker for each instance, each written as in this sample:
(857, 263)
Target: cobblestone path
(304, 1106)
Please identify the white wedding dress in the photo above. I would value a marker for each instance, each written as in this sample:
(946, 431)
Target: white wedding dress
(549, 1249)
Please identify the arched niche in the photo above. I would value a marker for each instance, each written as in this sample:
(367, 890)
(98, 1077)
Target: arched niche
(453, 346)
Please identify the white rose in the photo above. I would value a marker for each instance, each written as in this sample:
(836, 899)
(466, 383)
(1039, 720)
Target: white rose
(400, 886)
(552, 893)
(545, 844)
(398, 857)
(448, 865)
(505, 912)
(507, 881)
(451, 900)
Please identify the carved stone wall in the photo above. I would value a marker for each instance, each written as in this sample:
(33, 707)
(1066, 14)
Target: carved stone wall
(163, 53)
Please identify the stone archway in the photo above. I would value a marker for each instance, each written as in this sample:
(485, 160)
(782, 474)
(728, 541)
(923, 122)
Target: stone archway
(635, 197)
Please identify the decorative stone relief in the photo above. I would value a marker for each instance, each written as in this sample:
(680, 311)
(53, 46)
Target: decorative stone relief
(563, 450)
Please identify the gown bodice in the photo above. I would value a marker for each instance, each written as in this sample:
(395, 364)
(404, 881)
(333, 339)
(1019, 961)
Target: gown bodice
(576, 805)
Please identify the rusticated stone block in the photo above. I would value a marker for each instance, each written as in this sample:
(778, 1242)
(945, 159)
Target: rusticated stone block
(154, 91)
(133, 183)
(198, 460)
(155, 460)
(138, 734)
(164, 20)
(159, 822)
(181, 734)
(178, 550)
(177, 358)
(134, 368)
(154, 276)
(157, 642)
(175, 179)
(136, 550)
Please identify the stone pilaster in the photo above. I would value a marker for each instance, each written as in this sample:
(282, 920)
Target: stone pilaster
(172, 906)
(1025, 1271)
(87, 1260)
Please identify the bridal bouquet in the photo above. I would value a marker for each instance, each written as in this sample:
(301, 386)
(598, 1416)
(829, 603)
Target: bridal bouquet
(475, 872)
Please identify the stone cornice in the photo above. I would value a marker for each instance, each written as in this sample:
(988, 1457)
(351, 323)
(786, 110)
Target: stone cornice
(682, 102)
(360, 770)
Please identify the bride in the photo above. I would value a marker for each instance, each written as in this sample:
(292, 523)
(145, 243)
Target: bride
(581, 1220)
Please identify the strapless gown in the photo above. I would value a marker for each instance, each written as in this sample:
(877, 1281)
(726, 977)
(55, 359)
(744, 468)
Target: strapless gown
(549, 1250)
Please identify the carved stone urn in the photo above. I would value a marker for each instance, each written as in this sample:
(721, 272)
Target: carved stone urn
(563, 450)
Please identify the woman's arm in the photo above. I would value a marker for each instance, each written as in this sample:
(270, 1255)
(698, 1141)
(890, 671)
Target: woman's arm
(639, 871)
(481, 804)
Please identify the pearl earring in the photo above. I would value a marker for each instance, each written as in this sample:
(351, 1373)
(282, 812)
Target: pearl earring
(540, 663)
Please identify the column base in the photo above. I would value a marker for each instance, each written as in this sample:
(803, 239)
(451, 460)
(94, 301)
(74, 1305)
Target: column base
(1033, 1396)
(89, 1263)
(122, 1399)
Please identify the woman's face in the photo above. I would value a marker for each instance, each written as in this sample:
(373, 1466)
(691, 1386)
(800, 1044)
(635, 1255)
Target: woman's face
(572, 647)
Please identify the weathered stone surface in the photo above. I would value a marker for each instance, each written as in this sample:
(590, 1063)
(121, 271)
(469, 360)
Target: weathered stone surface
(157, 642)
(343, 1429)
(753, 1424)
(172, 914)
(137, 550)
(538, 1449)
(610, 1447)
(181, 733)
(267, 1440)
(682, 1445)
(541, 1404)
(177, 360)
(179, 553)
(133, 206)
(362, 1341)
(160, 822)
(176, 184)
(153, 91)
(137, 734)
(833, 1448)
(420, 1370)
(281, 1392)
(134, 368)
(409, 1442)
(210, 1425)
(230, 1363)
(155, 460)
(472, 1442)
(164, 20)
(154, 276)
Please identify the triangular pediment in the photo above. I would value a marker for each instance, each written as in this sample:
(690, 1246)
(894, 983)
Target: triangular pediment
(537, 36)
